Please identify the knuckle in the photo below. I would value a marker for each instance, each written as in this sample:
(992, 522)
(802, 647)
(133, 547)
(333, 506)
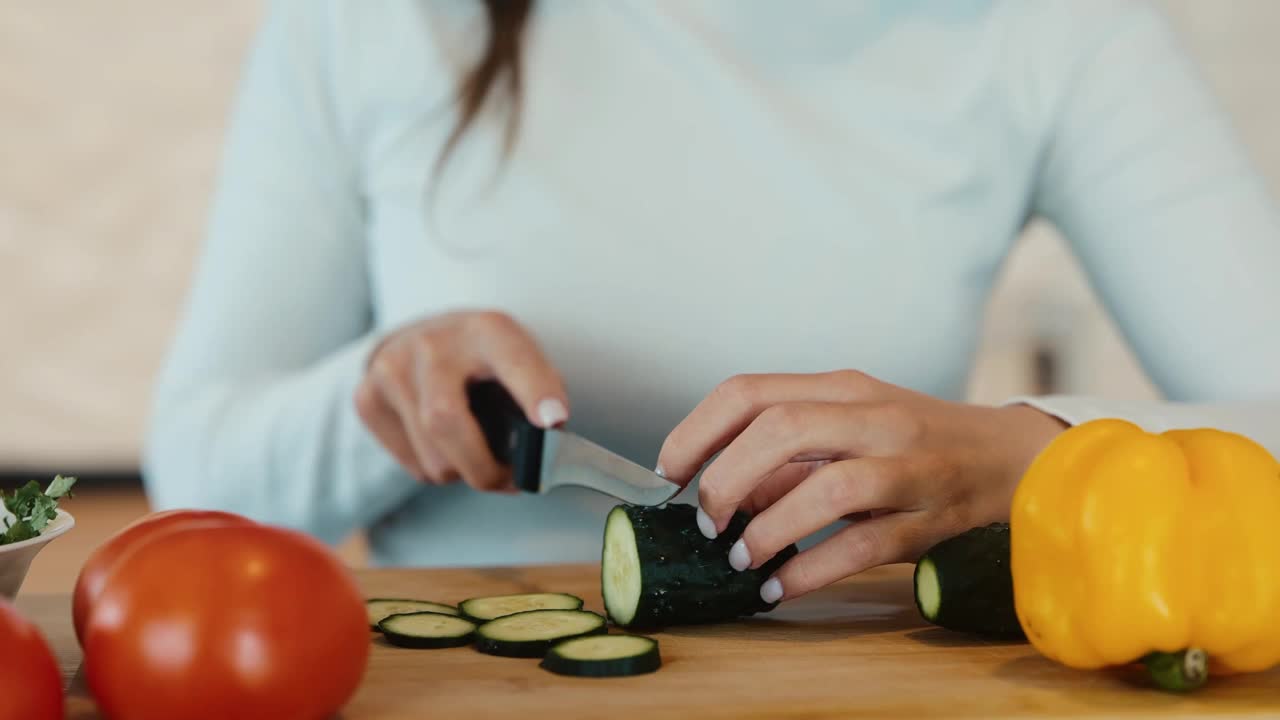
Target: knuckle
(954, 518)
(905, 543)
(738, 390)
(366, 401)
(429, 350)
(904, 424)
(492, 321)
(855, 381)
(438, 413)
(440, 474)
(762, 539)
(484, 479)
(802, 576)
(881, 476)
(838, 488)
(783, 421)
(865, 547)
(387, 367)
(712, 494)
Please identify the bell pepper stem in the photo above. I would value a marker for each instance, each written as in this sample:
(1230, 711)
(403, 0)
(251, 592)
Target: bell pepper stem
(1178, 671)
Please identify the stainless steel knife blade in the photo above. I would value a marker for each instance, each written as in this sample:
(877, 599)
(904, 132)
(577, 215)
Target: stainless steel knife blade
(570, 459)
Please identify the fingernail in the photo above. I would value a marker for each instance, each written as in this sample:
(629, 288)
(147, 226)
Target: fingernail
(739, 557)
(771, 590)
(706, 524)
(659, 472)
(552, 412)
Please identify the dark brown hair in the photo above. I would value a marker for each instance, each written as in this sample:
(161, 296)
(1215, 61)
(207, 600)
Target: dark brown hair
(501, 61)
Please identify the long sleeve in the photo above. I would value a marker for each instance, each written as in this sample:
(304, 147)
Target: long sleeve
(253, 409)
(1145, 177)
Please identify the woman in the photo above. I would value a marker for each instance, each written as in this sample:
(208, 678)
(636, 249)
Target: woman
(761, 230)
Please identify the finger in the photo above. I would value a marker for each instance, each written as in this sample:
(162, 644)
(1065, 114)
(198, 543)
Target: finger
(516, 361)
(830, 493)
(778, 484)
(735, 403)
(384, 424)
(399, 392)
(787, 433)
(444, 415)
(881, 540)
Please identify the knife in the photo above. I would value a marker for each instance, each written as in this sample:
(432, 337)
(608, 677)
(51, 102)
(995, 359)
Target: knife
(543, 460)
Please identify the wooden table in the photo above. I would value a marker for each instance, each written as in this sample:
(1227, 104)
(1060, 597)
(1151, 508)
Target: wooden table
(857, 649)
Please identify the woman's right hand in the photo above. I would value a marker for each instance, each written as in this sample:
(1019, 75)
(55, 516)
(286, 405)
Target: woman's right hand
(413, 397)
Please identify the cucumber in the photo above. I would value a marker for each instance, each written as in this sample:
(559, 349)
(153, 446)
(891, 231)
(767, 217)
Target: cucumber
(964, 583)
(658, 570)
(493, 607)
(427, 630)
(604, 656)
(532, 633)
(379, 608)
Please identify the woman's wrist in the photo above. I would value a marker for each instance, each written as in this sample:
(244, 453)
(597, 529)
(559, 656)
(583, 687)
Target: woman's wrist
(1024, 431)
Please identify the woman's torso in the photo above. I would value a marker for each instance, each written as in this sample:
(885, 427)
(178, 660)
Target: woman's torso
(697, 190)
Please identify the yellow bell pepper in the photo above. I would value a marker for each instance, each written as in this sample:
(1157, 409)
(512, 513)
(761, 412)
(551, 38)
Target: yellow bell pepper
(1131, 546)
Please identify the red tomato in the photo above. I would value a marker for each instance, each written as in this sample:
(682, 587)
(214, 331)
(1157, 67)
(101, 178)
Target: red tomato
(30, 682)
(94, 572)
(228, 621)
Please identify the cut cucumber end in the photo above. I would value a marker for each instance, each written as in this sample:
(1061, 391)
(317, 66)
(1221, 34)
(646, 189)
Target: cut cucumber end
(492, 607)
(964, 584)
(659, 570)
(620, 568)
(928, 589)
(427, 630)
(377, 609)
(604, 656)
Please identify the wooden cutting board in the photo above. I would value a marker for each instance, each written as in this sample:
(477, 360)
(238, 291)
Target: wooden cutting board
(857, 649)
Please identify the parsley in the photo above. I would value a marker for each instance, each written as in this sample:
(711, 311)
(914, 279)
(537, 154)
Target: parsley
(31, 509)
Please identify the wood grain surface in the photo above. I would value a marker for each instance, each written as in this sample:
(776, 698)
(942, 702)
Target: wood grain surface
(857, 649)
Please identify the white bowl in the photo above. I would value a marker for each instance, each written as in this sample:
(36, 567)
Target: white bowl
(15, 558)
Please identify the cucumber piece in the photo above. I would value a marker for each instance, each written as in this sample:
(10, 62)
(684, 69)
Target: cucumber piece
(532, 633)
(604, 656)
(379, 608)
(427, 630)
(658, 570)
(493, 607)
(964, 583)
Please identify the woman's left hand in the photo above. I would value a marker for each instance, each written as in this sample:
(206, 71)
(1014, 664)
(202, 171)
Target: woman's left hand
(802, 451)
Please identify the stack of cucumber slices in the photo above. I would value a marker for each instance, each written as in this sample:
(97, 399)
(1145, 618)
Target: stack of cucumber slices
(550, 626)
(657, 570)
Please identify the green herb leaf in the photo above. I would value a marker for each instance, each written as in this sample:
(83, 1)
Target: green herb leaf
(23, 500)
(33, 509)
(60, 486)
(43, 509)
(18, 532)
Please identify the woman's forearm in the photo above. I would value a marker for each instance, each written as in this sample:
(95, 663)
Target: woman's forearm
(282, 448)
(1257, 419)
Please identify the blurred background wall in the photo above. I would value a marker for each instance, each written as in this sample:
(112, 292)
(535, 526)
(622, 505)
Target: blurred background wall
(111, 117)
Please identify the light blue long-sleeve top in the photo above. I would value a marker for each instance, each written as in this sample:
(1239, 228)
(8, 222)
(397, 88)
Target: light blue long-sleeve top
(698, 189)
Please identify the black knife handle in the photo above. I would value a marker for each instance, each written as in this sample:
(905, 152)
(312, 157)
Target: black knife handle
(513, 440)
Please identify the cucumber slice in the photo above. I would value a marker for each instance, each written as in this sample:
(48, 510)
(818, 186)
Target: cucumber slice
(427, 630)
(495, 606)
(964, 583)
(532, 633)
(604, 656)
(379, 608)
(658, 570)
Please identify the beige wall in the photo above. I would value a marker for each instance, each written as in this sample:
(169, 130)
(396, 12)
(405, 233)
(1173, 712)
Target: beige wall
(112, 116)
